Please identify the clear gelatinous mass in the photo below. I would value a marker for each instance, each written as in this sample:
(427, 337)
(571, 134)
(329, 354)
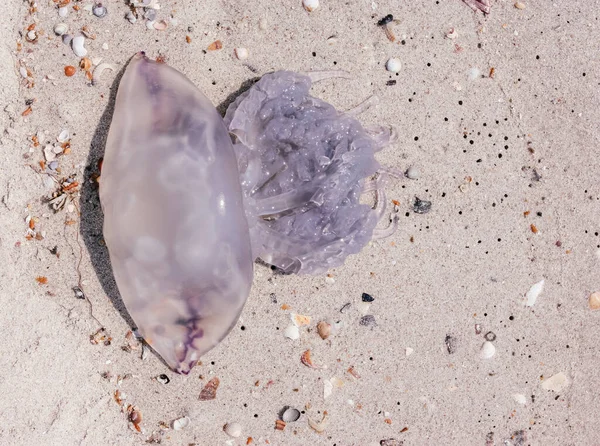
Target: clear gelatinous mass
(174, 219)
(303, 168)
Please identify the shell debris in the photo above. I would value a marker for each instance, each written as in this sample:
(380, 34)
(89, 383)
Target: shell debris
(233, 429)
(594, 301)
(488, 350)
(393, 65)
(310, 5)
(533, 293)
(556, 383)
(299, 320)
(77, 45)
(292, 332)
(241, 53)
(180, 423)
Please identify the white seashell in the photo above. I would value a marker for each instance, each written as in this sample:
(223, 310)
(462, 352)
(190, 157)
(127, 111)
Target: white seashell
(63, 11)
(77, 45)
(64, 136)
(327, 389)
(60, 29)
(241, 53)
(487, 350)
(160, 26)
(180, 423)
(409, 351)
(310, 5)
(413, 173)
(100, 69)
(67, 39)
(474, 73)
(58, 150)
(31, 35)
(555, 383)
(393, 64)
(292, 332)
(233, 429)
(49, 153)
(150, 24)
(534, 292)
(23, 71)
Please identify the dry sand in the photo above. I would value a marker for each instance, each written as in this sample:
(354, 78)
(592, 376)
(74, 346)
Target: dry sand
(489, 151)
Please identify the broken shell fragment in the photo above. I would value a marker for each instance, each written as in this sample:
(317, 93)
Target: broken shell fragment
(319, 426)
(487, 350)
(180, 423)
(555, 383)
(292, 332)
(60, 29)
(310, 5)
(233, 429)
(241, 53)
(99, 70)
(160, 26)
(77, 45)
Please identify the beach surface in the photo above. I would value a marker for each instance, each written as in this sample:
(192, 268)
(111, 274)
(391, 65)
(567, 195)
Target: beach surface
(481, 329)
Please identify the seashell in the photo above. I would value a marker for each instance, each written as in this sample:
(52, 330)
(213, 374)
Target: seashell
(100, 69)
(487, 350)
(180, 423)
(67, 39)
(60, 29)
(241, 53)
(99, 10)
(290, 415)
(77, 45)
(233, 429)
(63, 11)
(310, 5)
(160, 26)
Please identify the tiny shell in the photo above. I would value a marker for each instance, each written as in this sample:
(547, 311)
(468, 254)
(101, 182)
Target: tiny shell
(131, 17)
(290, 415)
(99, 10)
(49, 153)
(319, 426)
(67, 39)
(209, 392)
(23, 72)
(31, 36)
(233, 429)
(160, 26)
(77, 45)
(310, 5)
(241, 53)
(393, 65)
(487, 350)
(594, 301)
(216, 45)
(413, 173)
(519, 5)
(180, 423)
(63, 11)
(60, 29)
(409, 351)
(534, 292)
(555, 383)
(292, 332)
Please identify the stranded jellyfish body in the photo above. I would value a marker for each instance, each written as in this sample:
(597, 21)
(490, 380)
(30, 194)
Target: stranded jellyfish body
(186, 212)
(174, 221)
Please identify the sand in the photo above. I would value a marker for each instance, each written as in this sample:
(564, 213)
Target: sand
(508, 159)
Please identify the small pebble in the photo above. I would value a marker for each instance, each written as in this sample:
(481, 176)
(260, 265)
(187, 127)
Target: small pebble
(363, 307)
(324, 330)
(99, 10)
(594, 301)
(292, 332)
(393, 65)
(310, 5)
(451, 343)
(487, 350)
(520, 5)
(290, 415)
(241, 53)
(233, 429)
(163, 379)
(387, 19)
(490, 336)
(421, 206)
(368, 321)
(367, 297)
(413, 173)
